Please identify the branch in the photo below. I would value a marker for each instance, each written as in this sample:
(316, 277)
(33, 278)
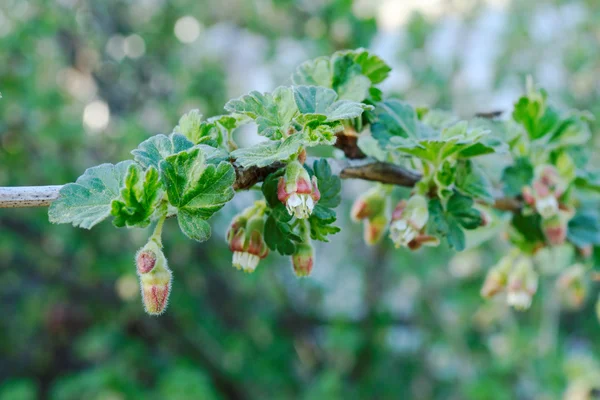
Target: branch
(43, 196)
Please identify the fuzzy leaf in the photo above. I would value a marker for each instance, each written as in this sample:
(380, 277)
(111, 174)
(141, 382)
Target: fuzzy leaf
(472, 181)
(152, 151)
(197, 131)
(266, 153)
(449, 223)
(273, 112)
(329, 185)
(198, 189)
(584, 229)
(319, 103)
(139, 198)
(87, 202)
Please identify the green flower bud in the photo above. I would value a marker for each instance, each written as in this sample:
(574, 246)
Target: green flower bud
(303, 260)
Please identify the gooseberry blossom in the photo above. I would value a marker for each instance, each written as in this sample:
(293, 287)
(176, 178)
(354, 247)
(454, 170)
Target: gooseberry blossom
(297, 191)
(522, 284)
(497, 277)
(408, 222)
(246, 241)
(545, 192)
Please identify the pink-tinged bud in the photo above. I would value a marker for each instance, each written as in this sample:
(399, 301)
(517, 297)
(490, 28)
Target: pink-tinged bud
(156, 288)
(246, 240)
(572, 286)
(522, 284)
(374, 228)
(497, 277)
(545, 191)
(408, 221)
(555, 230)
(297, 191)
(303, 260)
(155, 277)
(528, 195)
(370, 204)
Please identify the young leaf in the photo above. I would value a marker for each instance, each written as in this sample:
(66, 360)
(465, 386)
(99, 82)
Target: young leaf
(273, 112)
(321, 221)
(319, 103)
(87, 202)
(138, 199)
(197, 131)
(152, 151)
(517, 176)
(266, 153)
(196, 188)
(394, 118)
(535, 115)
(449, 223)
(329, 184)
(471, 181)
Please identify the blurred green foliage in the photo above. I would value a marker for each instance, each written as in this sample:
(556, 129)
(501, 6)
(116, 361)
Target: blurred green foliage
(79, 88)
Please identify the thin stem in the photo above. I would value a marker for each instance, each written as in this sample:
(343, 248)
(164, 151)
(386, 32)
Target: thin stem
(157, 234)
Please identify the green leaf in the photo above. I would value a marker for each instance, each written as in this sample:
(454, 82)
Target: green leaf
(198, 189)
(193, 225)
(278, 232)
(329, 185)
(321, 224)
(449, 223)
(461, 208)
(516, 176)
(139, 198)
(584, 229)
(266, 153)
(535, 115)
(394, 118)
(319, 103)
(152, 151)
(529, 226)
(349, 73)
(196, 130)
(589, 180)
(273, 112)
(472, 181)
(269, 188)
(87, 202)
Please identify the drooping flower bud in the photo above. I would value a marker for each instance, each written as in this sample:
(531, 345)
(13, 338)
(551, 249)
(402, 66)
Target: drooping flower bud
(245, 237)
(374, 228)
(546, 190)
(497, 277)
(303, 259)
(522, 284)
(297, 191)
(571, 286)
(372, 208)
(155, 278)
(555, 228)
(408, 221)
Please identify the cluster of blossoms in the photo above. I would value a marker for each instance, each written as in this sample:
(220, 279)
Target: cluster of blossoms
(297, 191)
(155, 277)
(544, 196)
(246, 238)
(515, 275)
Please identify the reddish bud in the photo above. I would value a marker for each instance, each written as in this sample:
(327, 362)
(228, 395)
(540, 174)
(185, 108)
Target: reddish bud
(155, 277)
(303, 260)
(297, 191)
(246, 241)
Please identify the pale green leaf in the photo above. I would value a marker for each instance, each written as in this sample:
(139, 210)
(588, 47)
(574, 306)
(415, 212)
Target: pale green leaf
(152, 151)
(87, 202)
(266, 153)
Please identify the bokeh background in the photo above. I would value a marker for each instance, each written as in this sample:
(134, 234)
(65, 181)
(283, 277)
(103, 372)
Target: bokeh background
(84, 81)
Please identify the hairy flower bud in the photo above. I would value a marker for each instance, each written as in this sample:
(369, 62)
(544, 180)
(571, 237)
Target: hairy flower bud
(245, 237)
(303, 259)
(408, 220)
(297, 191)
(155, 278)
(571, 286)
(522, 284)
(372, 208)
